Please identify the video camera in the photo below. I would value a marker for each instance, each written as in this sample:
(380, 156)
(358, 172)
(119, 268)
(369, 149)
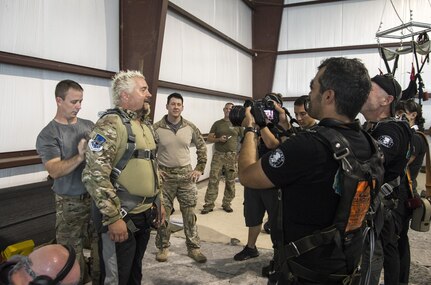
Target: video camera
(261, 109)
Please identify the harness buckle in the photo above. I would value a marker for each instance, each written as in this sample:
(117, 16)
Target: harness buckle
(115, 173)
(341, 154)
(146, 154)
(386, 189)
(123, 213)
(296, 252)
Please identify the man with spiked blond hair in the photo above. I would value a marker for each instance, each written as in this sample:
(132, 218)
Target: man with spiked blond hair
(121, 177)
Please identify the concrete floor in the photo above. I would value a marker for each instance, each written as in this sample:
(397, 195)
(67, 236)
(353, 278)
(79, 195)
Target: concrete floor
(219, 226)
(224, 234)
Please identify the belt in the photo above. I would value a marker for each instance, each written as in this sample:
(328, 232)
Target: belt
(148, 200)
(174, 168)
(227, 152)
(80, 197)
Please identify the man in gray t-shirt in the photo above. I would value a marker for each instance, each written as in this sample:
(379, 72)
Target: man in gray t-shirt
(61, 145)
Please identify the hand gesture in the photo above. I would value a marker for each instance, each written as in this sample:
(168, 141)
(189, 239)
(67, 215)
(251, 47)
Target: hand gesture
(248, 119)
(283, 122)
(82, 146)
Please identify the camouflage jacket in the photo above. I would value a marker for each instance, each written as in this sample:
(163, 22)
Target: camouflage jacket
(105, 148)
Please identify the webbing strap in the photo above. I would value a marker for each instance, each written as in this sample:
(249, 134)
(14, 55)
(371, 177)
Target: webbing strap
(308, 274)
(146, 154)
(129, 201)
(382, 53)
(342, 153)
(131, 146)
(389, 187)
(427, 165)
(310, 242)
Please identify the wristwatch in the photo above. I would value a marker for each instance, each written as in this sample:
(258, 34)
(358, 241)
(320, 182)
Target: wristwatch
(250, 129)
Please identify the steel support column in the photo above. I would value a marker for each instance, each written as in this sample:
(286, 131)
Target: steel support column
(142, 26)
(266, 30)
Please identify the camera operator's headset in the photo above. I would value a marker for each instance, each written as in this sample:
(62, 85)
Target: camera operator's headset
(46, 280)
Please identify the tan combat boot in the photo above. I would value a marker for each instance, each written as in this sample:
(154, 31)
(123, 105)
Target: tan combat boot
(197, 255)
(162, 255)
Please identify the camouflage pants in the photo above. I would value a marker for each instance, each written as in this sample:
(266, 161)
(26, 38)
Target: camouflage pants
(222, 162)
(177, 183)
(72, 225)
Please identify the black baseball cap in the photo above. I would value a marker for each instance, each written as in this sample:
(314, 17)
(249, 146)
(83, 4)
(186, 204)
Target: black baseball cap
(388, 83)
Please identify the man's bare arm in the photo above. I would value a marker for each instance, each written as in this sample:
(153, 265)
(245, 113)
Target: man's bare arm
(250, 170)
(58, 168)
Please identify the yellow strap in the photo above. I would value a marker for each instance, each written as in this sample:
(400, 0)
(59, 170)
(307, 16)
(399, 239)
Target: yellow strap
(409, 179)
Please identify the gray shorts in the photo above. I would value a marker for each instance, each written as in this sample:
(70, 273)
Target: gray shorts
(256, 202)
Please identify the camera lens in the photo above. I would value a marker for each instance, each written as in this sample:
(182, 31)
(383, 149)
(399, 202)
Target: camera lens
(237, 115)
(269, 104)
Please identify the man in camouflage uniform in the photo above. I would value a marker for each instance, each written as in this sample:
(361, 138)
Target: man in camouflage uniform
(61, 145)
(179, 179)
(124, 184)
(225, 138)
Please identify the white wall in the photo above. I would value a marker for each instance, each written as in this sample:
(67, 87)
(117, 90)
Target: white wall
(81, 32)
(85, 32)
(344, 23)
(194, 57)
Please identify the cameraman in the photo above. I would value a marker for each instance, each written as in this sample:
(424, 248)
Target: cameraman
(256, 202)
(304, 168)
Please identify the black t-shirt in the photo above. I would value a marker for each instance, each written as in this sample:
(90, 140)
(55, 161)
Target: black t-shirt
(419, 150)
(304, 168)
(394, 141)
(262, 149)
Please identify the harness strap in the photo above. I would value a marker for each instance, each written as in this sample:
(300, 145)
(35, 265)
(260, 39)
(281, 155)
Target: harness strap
(131, 145)
(389, 187)
(427, 166)
(307, 274)
(341, 149)
(382, 54)
(146, 154)
(129, 201)
(310, 242)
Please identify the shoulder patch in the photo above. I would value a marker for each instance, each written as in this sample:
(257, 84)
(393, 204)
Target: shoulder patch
(96, 143)
(386, 141)
(276, 159)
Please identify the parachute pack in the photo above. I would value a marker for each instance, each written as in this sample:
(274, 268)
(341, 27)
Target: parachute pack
(358, 183)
